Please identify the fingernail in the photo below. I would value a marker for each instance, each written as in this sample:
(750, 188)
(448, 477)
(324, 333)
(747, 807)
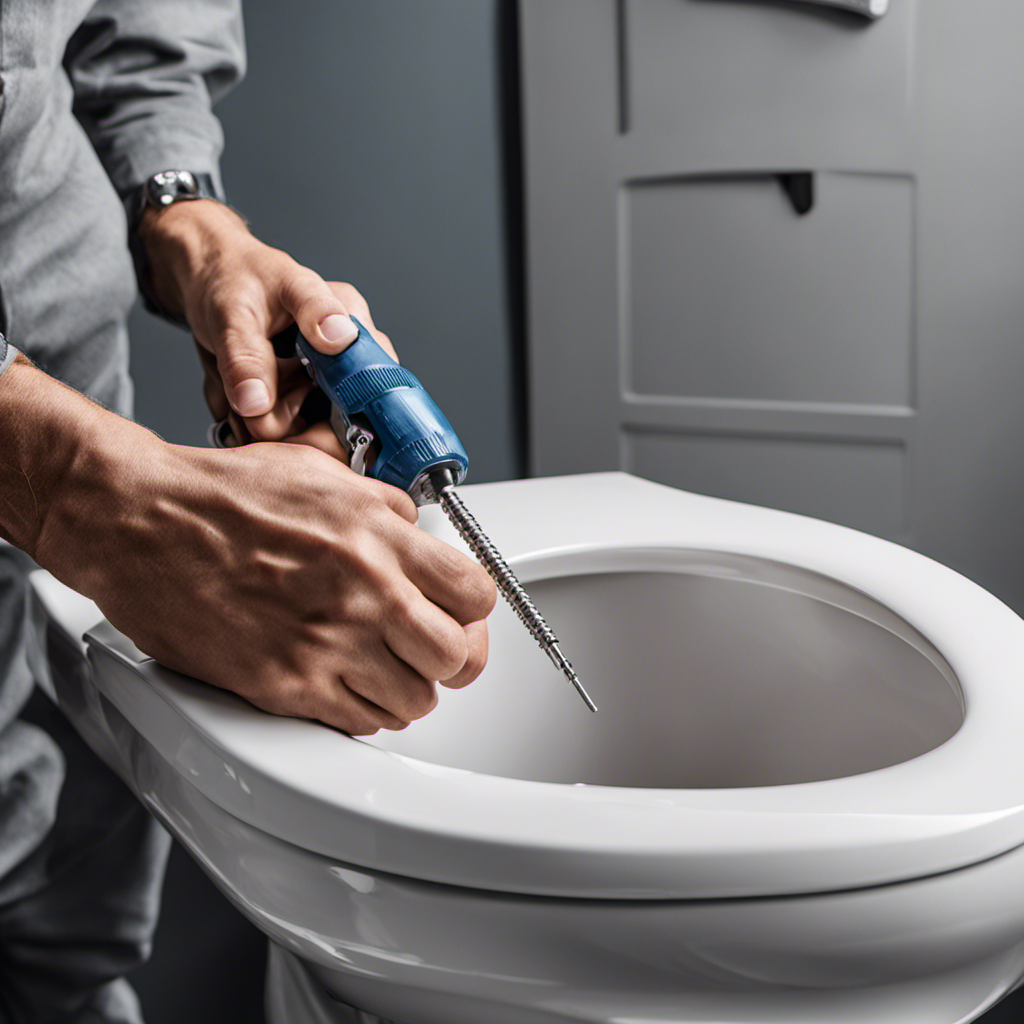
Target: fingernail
(339, 328)
(252, 398)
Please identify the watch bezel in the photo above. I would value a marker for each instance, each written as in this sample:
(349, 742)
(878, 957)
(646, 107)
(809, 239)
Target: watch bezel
(167, 187)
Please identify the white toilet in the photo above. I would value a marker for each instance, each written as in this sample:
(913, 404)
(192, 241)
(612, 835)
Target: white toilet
(801, 801)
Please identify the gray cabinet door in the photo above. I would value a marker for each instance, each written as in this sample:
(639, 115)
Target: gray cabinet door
(776, 254)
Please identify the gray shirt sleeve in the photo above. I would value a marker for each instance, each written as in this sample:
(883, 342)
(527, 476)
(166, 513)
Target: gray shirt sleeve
(7, 353)
(146, 74)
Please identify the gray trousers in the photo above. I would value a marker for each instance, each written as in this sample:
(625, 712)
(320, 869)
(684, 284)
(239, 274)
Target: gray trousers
(81, 862)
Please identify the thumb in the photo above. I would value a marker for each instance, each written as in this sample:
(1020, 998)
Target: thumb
(322, 317)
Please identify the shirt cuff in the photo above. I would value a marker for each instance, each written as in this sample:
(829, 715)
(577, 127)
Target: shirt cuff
(135, 156)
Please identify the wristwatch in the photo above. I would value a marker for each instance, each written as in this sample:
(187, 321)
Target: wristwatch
(162, 189)
(159, 191)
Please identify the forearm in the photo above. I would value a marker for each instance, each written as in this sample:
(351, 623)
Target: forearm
(46, 433)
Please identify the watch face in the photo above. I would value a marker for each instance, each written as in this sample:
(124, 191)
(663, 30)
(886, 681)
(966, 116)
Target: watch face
(166, 187)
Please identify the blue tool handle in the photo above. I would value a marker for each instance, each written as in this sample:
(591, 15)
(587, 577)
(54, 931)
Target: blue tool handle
(367, 384)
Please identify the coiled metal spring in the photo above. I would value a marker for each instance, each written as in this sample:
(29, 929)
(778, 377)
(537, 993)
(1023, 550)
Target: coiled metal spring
(480, 544)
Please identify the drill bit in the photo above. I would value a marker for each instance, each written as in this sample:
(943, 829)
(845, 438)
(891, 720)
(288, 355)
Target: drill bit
(505, 578)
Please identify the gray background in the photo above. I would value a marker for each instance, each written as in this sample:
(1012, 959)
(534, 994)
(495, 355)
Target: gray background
(371, 141)
(375, 140)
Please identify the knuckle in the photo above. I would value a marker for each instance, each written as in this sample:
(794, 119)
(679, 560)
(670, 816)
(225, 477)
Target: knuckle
(307, 295)
(443, 644)
(295, 277)
(238, 362)
(232, 301)
(347, 292)
(451, 651)
(395, 719)
(478, 590)
(404, 506)
(488, 597)
(216, 310)
(313, 308)
(386, 501)
(421, 699)
(356, 607)
(382, 718)
(400, 607)
(352, 716)
(476, 660)
(349, 532)
(368, 580)
(408, 511)
(365, 511)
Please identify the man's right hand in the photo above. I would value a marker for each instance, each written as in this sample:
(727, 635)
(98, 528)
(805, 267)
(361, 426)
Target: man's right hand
(272, 570)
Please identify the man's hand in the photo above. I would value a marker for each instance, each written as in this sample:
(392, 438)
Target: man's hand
(236, 293)
(272, 570)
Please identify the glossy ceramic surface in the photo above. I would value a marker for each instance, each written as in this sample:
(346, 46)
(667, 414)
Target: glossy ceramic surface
(936, 950)
(268, 806)
(910, 635)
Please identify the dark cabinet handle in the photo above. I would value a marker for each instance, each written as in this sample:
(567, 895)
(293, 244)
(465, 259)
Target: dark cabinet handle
(799, 187)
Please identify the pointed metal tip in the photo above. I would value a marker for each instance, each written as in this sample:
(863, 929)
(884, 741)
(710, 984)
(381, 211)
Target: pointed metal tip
(575, 680)
(554, 652)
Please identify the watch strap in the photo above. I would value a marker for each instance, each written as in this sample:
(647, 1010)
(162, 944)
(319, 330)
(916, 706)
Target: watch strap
(165, 188)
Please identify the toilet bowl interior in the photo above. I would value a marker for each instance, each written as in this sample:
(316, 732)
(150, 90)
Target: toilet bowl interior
(710, 669)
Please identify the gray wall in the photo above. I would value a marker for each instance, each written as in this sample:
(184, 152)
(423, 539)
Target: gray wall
(368, 141)
(371, 141)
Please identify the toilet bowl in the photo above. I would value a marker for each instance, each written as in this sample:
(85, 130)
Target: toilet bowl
(801, 800)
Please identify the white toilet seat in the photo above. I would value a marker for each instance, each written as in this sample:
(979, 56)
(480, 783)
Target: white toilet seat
(959, 804)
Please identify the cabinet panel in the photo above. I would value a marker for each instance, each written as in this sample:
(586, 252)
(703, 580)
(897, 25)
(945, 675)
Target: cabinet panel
(730, 293)
(856, 484)
(749, 72)
(900, 415)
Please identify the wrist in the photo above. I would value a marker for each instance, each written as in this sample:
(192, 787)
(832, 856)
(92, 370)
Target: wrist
(60, 467)
(43, 426)
(179, 241)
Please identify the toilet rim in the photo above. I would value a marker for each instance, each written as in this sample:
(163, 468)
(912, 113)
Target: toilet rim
(958, 804)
